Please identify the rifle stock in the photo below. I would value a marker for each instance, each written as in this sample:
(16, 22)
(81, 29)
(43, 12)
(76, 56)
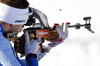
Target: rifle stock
(47, 34)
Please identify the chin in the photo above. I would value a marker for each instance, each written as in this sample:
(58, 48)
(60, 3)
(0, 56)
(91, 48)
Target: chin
(19, 31)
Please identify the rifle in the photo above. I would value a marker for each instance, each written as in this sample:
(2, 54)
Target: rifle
(45, 33)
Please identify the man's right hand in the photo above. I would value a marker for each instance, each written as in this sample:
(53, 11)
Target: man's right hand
(31, 47)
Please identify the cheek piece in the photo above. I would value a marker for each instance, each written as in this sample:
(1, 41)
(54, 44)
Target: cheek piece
(13, 15)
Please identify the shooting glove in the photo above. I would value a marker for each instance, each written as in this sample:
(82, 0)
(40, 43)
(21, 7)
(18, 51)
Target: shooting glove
(31, 47)
(63, 34)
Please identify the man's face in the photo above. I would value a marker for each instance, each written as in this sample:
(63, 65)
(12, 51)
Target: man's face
(17, 28)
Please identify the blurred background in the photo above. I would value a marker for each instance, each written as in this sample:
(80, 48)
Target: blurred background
(81, 48)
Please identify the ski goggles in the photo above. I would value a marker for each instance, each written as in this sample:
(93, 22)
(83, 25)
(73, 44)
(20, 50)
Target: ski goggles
(13, 15)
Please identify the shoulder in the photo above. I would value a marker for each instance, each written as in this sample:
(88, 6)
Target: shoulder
(3, 39)
(4, 43)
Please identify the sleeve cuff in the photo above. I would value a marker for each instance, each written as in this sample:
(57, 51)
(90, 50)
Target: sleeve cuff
(31, 55)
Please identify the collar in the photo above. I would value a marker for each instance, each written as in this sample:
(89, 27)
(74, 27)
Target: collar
(1, 29)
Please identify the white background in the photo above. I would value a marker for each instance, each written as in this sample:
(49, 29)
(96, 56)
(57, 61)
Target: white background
(81, 48)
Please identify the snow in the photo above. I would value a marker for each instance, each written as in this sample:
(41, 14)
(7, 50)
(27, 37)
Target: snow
(81, 48)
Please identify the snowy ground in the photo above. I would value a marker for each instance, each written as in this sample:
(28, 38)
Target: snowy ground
(82, 48)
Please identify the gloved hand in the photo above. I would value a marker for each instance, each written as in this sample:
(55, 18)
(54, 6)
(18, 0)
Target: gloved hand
(31, 47)
(62, 36)
(48, 45)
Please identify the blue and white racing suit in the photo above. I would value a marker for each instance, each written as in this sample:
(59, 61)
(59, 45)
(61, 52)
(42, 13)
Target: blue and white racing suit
(7, 55)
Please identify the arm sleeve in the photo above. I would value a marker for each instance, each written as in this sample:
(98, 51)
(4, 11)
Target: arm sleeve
(41, 55)
(32, 60)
